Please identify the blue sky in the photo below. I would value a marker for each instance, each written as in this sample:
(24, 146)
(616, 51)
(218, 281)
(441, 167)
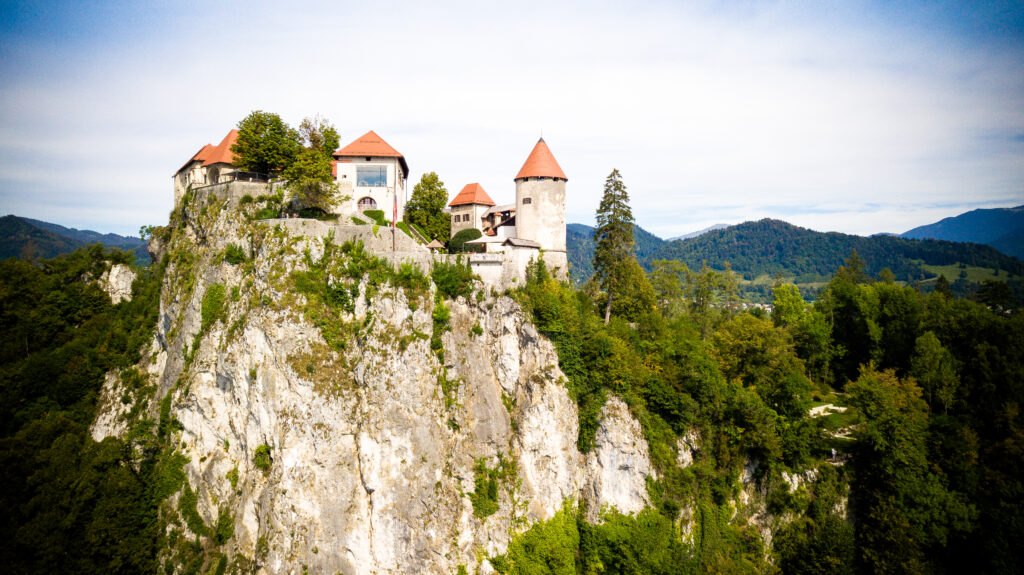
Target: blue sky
(860, 117)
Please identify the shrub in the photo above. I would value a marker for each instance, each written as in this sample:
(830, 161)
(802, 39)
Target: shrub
(266, 214)
(261, 459)
(358, 221)
(213, 305)
(225, 526)
(453, 280)
(317, 214)
(234, 254)
(485, 495)
(377, 216)
(246, 199)
(458, 241)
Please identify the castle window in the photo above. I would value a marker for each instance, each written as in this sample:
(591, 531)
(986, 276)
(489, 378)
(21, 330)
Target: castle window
(527, 201)
(455, 219)
(367, 203)
(372, 176)
(465, 217)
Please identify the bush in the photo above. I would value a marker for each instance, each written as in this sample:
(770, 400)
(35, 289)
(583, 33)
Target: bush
(225, 526)
(213, 305)
(358, 221)
(261, 459)
(234, 254)
(458, 241)
(266, 214)
(485, 494)
(453, 280)
(377, 216)
(317, 214)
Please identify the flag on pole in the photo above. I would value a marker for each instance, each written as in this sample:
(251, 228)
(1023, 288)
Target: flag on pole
(394, 218)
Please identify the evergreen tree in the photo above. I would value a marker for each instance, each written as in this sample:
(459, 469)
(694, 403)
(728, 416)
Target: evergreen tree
(425, 209)
(614, 238)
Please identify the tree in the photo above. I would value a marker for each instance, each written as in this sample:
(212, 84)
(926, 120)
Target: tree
(319, 134)
(265, 144)
(904, 510)
(310, 181)
(425, 209)
(614, 238)
(935, 368)
(788, 306)
(667, 278)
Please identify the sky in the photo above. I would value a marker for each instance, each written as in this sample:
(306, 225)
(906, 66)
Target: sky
(857, 117)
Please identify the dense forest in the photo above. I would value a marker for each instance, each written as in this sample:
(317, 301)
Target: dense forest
(933, 467)
(773, 246)
(28, 239)
(769, 248)
(928, 476)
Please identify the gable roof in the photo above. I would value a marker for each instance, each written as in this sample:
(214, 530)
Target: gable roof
(221, 154)
(521, 243)
(371, 145)
(472, 194)
(541, 164)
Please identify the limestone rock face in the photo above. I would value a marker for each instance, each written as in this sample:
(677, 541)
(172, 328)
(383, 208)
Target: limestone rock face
(373, 442)
(619, 464)
(117, 281)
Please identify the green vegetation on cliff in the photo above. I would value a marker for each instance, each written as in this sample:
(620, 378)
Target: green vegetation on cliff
(933, 383)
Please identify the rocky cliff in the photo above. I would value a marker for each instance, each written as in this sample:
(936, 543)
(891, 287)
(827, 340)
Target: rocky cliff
(330, 415)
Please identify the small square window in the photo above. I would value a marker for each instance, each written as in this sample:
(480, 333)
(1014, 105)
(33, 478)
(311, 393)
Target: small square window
(527, 201)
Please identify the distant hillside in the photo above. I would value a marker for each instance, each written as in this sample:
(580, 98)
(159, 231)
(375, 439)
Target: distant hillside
(580, 246)
(23, 240)
(26, 238)
(998, 227)
(773, 246)
(698, 232)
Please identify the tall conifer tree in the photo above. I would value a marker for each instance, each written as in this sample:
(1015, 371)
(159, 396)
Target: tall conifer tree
(614, 238)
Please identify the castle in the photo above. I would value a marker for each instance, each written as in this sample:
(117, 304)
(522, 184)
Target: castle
(372, 175)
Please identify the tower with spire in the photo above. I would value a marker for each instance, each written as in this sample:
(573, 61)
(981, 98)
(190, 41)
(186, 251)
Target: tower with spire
(540, 205)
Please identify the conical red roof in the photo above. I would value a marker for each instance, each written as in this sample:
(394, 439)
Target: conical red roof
(472, 194)
(541, 164)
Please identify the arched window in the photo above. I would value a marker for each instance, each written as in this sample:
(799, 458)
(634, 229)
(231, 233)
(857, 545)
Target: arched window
(367, 203)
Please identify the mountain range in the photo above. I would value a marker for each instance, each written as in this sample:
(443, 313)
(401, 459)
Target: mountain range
(28, 239)
(1001, 228)
(758, 251)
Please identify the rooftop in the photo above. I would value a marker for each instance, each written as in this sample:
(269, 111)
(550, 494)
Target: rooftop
(541, 164)
(472, 194)
(370, 145)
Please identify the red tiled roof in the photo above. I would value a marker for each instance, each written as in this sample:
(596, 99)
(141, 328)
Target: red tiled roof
(371, 145)
(472, 194)
(203, 153)
(541, 164)
(221, 154)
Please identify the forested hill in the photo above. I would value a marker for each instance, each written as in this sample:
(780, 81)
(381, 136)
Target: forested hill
(772, 246)
(580, 246)
(25, 238)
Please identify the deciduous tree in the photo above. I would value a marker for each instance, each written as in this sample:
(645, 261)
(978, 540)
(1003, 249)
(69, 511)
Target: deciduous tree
(266, 144)
(425, 209)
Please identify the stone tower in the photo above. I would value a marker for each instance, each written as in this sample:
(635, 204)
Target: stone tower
(540, 205)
